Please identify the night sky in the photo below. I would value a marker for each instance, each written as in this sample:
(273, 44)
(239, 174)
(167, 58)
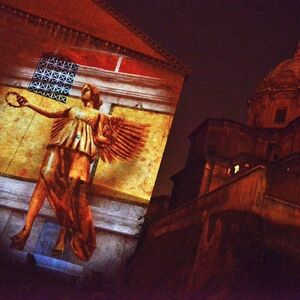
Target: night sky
(229, 46)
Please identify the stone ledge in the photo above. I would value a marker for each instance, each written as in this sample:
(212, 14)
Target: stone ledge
(110, 215)
(47, 262)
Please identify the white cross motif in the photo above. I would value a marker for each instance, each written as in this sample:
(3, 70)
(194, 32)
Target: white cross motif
(56, 74)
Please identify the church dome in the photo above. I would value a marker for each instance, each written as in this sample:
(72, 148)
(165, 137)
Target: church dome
(276, 101)
(285, 76)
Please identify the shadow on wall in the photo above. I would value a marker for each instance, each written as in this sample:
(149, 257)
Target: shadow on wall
(233, 255)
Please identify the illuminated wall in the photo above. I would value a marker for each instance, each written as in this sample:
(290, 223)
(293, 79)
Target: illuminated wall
(140, 98)
(25, 135)
(141, 87)
(135, 180)
(137, 80)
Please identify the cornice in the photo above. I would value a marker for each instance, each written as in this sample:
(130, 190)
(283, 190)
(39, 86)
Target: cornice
(172, 64)
(262, 131)
(135, 90)
(118, 217)
(271, 91)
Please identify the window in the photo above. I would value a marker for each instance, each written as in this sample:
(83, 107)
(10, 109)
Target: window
(236, 169)
(280, 115)
(53, 77)
(273, 151)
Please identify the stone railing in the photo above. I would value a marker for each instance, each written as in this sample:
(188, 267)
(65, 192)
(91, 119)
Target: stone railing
(253, 191)
(279, 211)
(245, 192)
(285, 185)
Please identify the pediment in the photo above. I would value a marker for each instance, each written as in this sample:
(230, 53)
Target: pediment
(94, 18)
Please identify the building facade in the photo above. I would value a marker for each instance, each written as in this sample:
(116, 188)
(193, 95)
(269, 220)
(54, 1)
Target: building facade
(231, 227)
(222, 149)
(49, 49)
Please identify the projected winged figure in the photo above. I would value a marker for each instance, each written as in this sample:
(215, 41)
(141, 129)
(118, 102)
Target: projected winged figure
(78, 137)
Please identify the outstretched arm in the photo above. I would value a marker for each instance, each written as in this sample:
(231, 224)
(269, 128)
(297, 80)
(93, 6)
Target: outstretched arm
(43, 111)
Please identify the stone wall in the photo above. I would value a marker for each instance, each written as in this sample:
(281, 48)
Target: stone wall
(117, 225)
(223, 245)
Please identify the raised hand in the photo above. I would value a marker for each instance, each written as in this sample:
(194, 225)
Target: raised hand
(14, 99)
(22, 101)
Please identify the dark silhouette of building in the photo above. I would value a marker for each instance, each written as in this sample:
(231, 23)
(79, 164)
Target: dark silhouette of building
(232, 228)
(222, 149)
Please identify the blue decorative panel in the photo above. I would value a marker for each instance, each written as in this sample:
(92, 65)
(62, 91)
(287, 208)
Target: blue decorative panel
(53, 77)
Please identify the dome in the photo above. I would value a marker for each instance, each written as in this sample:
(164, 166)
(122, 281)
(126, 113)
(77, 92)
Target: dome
(276, 101)
(285, 76)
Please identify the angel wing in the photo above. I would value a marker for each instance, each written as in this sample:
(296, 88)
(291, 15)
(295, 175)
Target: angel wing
(126, 139)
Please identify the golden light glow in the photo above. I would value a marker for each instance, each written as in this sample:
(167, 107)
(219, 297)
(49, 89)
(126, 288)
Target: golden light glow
(25, 135)
(135, 180)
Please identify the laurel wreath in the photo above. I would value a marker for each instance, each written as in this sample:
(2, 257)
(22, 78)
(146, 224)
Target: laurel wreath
(18, 96)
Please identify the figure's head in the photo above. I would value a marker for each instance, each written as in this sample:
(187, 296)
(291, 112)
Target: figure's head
(90, 94)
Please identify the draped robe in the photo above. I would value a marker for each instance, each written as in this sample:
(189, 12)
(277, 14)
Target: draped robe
(66, 169)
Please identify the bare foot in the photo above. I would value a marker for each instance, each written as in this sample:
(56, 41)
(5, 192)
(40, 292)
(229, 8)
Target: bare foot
(60, 243)
(58, 249)
(19, 240)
